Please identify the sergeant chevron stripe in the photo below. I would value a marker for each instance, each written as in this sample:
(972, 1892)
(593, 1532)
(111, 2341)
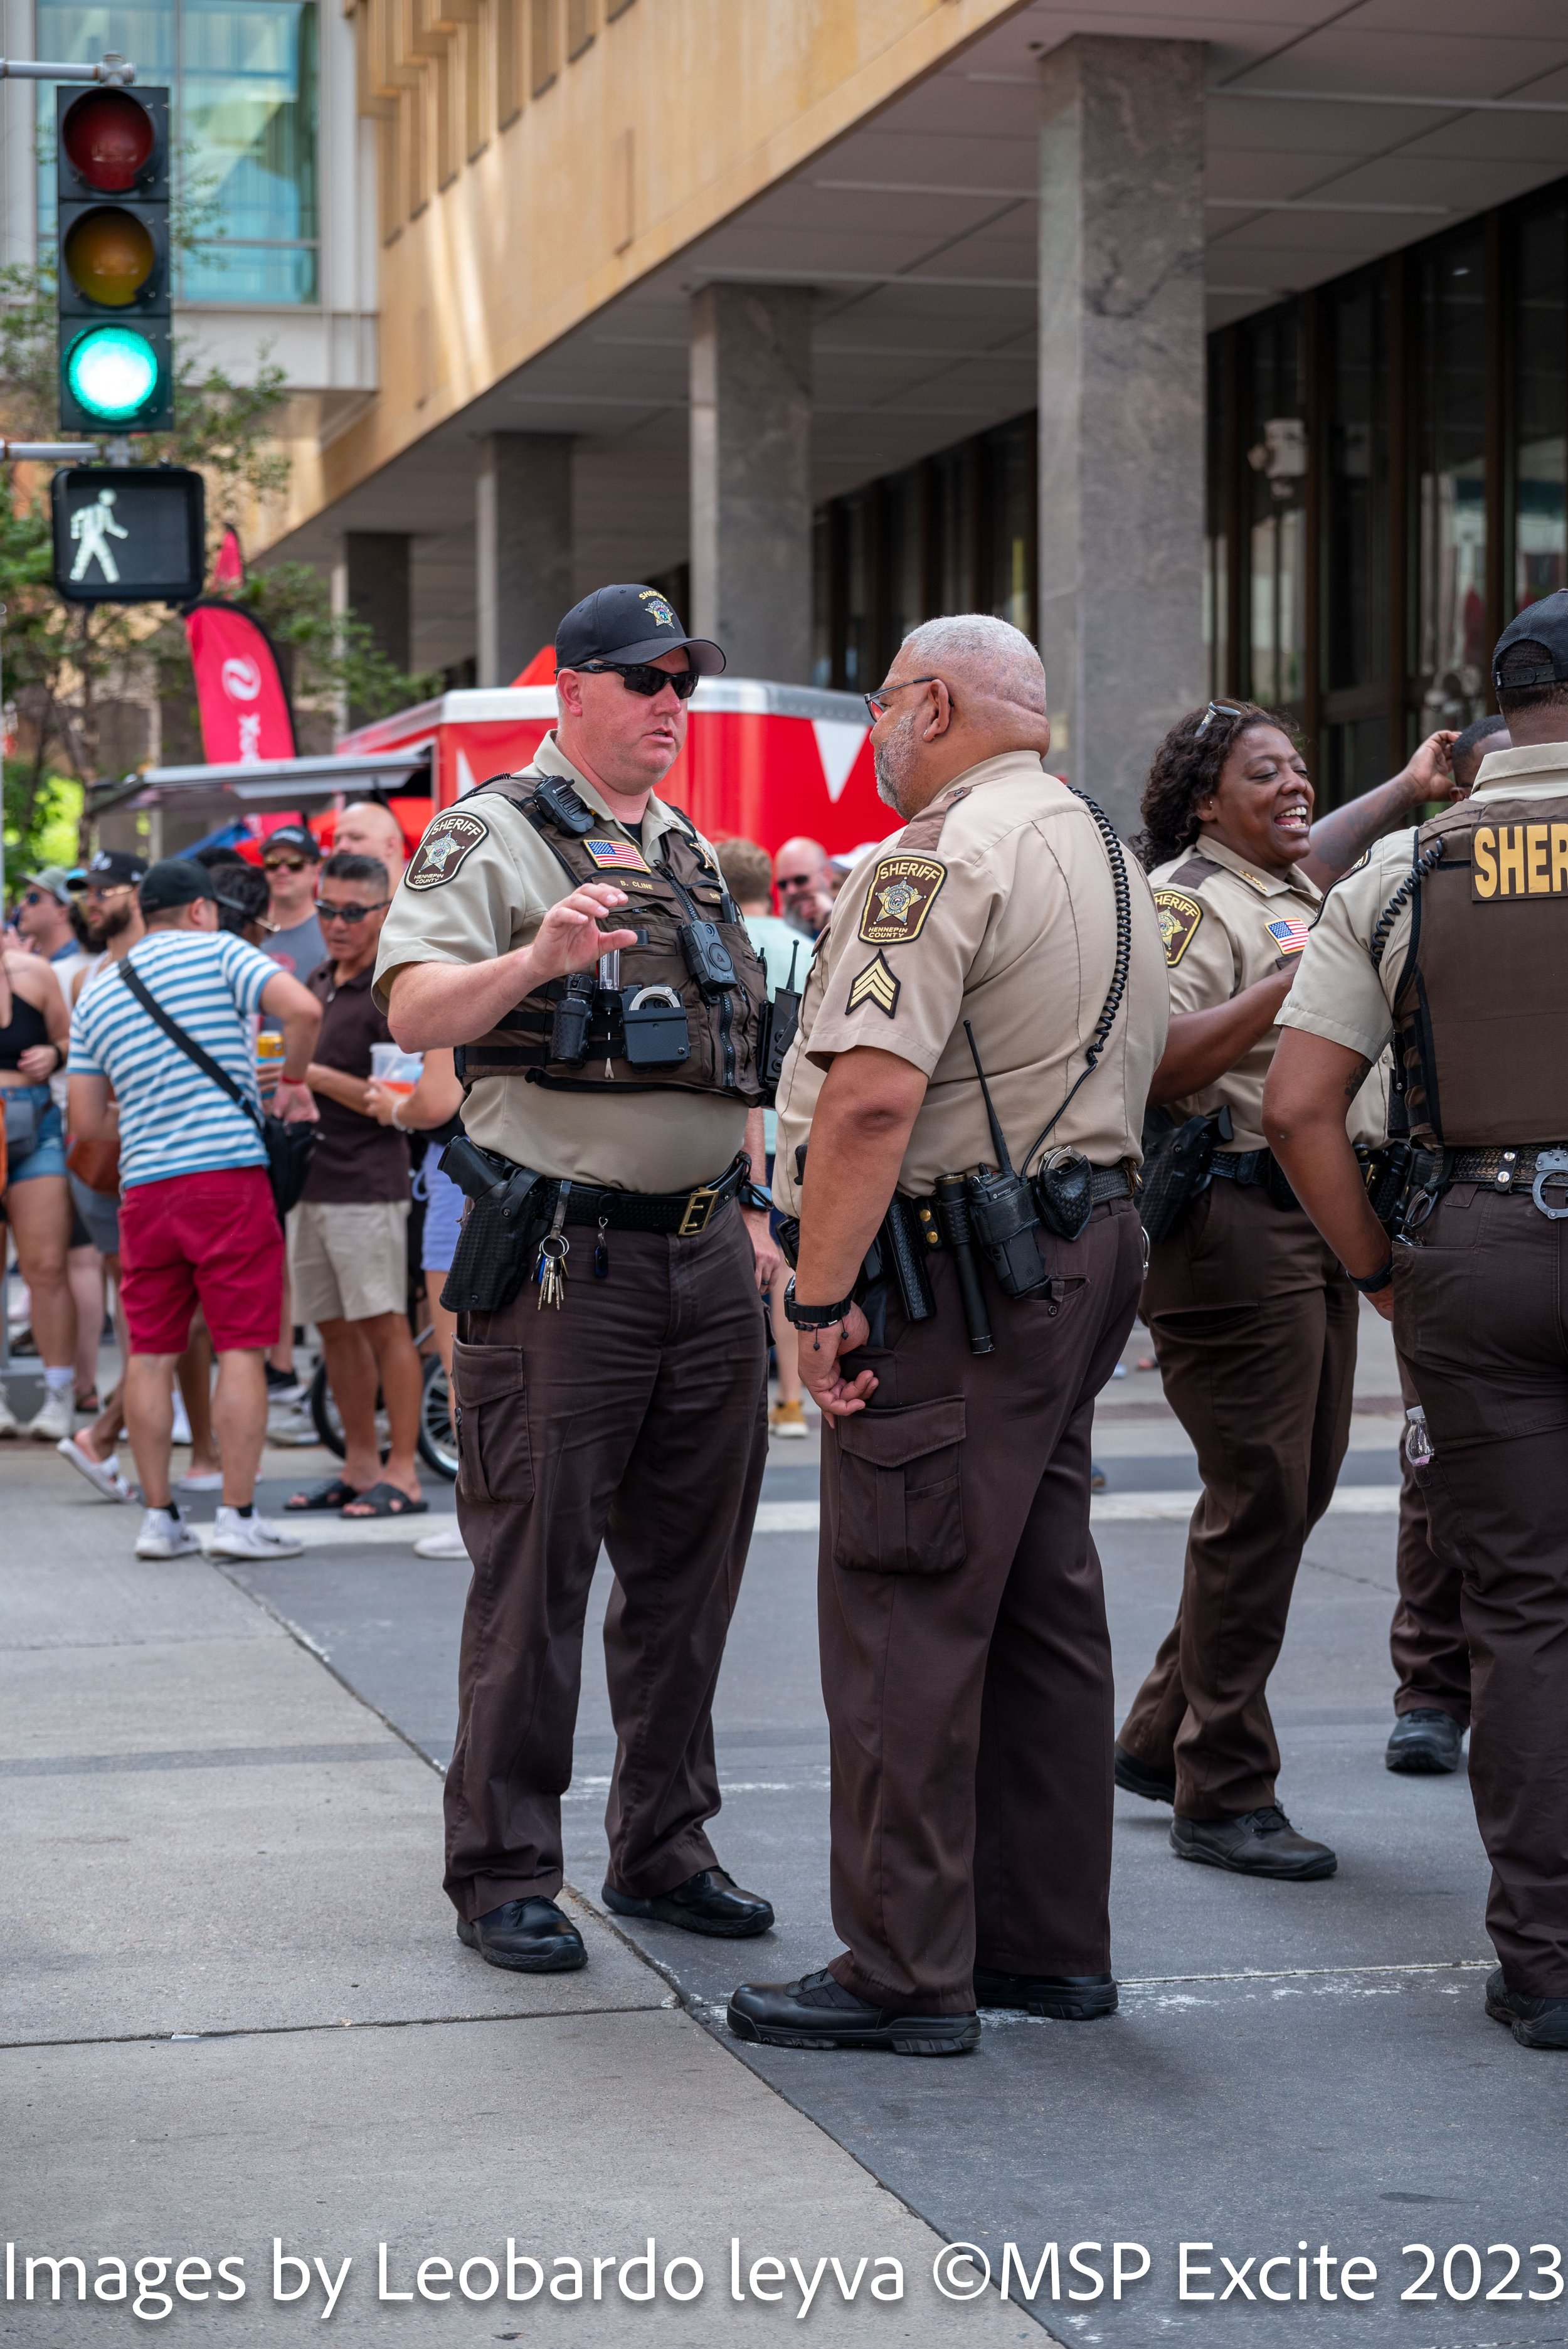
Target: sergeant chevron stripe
(875, 984)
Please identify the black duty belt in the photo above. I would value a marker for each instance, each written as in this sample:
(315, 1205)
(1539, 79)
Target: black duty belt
(1105, 1182)
(684, 1213)
(1526, 1170)
(1243, 1166)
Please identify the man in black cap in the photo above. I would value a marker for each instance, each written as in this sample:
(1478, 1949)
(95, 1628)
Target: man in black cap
(289, 859)
(1456, 947)
(571, 934)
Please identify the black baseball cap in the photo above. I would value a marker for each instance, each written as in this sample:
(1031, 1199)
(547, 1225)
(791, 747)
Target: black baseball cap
(629, 624)
(176, 881)
(113, 864)
(293, 835)
(1544, 628)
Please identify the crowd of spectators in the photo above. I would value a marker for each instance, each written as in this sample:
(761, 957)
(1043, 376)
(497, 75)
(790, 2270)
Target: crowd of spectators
(136, 1180)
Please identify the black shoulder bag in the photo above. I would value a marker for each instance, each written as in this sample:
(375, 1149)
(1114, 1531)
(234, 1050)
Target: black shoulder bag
(288, 1144)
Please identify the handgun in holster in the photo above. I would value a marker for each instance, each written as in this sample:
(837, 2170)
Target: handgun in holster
(1177, 1168)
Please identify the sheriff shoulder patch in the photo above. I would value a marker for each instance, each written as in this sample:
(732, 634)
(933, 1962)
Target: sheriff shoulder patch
(447, 839)
(1178, 918)
(902, 893)
(875, 984)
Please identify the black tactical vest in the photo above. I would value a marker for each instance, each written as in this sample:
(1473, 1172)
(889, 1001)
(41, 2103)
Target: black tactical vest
(690, 1008)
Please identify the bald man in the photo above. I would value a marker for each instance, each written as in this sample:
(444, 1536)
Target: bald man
(804, 881)
(365, 828)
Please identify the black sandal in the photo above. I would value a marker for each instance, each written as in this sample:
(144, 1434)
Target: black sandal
(332, 1495)
(382, 1501)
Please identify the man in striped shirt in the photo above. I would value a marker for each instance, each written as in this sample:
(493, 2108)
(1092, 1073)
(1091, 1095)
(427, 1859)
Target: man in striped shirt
(197, 1219)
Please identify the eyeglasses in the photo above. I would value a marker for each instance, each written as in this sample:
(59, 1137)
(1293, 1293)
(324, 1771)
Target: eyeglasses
(38, 897)
(1216, 709)
(325, 913)
(100, 891)
(283, 864)
(877, 702)
(639, 676)
(795, 880)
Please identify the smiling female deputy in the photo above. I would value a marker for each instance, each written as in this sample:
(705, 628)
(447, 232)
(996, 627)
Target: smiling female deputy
(1253, 1319)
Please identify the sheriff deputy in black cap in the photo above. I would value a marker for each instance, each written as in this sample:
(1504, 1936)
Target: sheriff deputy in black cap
(1452, 942)
(571, 934)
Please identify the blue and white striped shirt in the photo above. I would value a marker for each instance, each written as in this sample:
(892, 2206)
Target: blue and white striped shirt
(172, 1118)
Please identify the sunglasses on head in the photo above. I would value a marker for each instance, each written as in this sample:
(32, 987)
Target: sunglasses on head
(640, 677)
(325, 913)
(1216, 709)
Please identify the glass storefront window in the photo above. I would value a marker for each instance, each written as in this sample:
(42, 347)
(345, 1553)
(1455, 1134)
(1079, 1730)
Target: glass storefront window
(1540, 404)
(243, 99)
(953, 520)
(1356, 552)
(1216, 555)
(1009, 477)
(1450, 421)
(859, 648)
(905, 555)
(1274, 515)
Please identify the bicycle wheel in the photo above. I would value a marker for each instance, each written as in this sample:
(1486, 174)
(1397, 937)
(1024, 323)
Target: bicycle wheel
(437, 1444)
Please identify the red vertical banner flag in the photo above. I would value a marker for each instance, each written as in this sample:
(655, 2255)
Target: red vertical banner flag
(245, 713)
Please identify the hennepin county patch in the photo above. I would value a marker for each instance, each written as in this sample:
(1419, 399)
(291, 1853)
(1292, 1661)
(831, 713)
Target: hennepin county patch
(875, 984)
(902, 893)
(1178, 918)
(447, 842)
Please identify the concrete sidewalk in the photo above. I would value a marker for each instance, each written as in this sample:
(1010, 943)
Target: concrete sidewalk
(236, 2010)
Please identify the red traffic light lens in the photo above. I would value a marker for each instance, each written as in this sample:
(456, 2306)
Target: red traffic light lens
(110, 255)
(107, 137)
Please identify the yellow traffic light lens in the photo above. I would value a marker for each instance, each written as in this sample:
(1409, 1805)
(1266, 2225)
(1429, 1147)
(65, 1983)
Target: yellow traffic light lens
(110, 255)
(112, 372)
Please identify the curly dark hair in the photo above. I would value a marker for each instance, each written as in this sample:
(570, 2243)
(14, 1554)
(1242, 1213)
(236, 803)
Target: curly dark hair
(1186, 765)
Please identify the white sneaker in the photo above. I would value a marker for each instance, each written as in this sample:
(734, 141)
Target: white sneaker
(182, 1428)
(210, 1481)
(236, 1536)
(162, 1536)
(9, 1422)
(103, 1475)
(294, 1428)
(56, 1416)
(448, 1543)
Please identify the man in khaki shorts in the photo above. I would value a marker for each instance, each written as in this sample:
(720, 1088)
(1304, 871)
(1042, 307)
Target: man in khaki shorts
(348, 1237)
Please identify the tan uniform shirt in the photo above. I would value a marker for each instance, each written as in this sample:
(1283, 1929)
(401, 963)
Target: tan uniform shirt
(1338, 993)
(1226, 927)
(493, 895)
(1007, 921)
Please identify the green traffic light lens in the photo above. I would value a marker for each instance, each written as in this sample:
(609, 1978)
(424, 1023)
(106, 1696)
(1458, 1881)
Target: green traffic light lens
(112, 372)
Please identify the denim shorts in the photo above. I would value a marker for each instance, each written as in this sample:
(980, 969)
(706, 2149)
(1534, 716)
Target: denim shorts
(47, 1154)
(443, 1212)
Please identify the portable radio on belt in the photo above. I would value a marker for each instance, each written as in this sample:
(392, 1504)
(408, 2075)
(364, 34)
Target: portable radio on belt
(1002, 1207)
(783, 1019)
(569, 1029)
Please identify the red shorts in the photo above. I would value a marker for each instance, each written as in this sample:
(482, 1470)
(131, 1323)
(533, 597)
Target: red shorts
(211, 1237)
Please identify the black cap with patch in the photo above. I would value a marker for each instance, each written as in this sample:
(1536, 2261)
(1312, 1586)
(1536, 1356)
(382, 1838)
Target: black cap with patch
(629, 624)
(1542, 630)
(111, 864)
(177, 881)
(293, 835)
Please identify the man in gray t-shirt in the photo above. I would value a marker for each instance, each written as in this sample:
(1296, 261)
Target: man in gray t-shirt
(289, 859)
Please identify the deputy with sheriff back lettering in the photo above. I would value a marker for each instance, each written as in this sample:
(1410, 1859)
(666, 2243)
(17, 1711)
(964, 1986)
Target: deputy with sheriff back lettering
(965, 1660)
(1454, 943)
(571, 934)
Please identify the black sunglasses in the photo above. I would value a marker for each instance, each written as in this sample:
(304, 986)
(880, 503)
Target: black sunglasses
(640, 677)
(325, 913)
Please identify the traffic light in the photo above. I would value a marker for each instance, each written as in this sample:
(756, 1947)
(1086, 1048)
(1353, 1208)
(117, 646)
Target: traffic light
(112, 181)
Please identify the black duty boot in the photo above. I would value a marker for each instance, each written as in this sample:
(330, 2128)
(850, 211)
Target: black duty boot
(1258, 1842)
(1426, 1742)
(1066, 1998)
(709, 1902)
(1535, 2022)
(817, 2011)
(1136, 1778)
(529, 1937)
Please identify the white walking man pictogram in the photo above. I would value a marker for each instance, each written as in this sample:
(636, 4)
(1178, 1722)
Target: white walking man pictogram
(92, 527)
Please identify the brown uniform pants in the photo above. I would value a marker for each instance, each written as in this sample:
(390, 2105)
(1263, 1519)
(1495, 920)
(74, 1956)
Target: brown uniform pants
(1480, 1313)
(1255, 1332)
(1426, 1638)
(965, 1658)
(634, 1417)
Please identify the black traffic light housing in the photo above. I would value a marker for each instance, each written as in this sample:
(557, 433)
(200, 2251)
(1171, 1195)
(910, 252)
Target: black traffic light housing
(115, 280)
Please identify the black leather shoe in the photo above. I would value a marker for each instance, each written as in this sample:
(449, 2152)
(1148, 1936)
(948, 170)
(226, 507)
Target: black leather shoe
(1534, 2021)
(1258, 1842)
(1066, 1998)
(817, 2011)
(1426, 1742)
(530, 1937)
(1136, 1778)
(709, 1902)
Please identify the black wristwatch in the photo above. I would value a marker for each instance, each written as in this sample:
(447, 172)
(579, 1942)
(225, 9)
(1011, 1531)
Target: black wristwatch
(812, 1317)
(1374, 1282)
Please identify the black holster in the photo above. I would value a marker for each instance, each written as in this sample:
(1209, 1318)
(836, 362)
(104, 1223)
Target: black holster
(500, 1232)
(1176, 1169)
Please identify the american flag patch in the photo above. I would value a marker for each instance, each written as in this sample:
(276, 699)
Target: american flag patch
(1289, 934)
(615, 855)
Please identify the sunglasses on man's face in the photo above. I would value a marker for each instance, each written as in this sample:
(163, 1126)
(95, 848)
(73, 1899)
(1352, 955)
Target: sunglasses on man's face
(37, 897)
(99, 893)
(327, 913)
(283, 864)
(796, 880)
(640, 677)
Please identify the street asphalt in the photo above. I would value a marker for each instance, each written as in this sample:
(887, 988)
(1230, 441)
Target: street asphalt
(1294, 2068)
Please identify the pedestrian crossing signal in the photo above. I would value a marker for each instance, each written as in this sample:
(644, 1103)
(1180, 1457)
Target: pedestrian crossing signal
(112, 186)
(128, 533)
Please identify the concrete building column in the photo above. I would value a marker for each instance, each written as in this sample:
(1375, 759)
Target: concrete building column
(1121, 404)
(523, 519)
(751, 476)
